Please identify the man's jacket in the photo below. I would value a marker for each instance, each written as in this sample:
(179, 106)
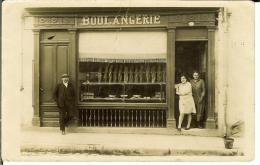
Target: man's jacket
(64, 95)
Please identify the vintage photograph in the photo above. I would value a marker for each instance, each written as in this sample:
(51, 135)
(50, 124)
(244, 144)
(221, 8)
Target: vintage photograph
(115, 81)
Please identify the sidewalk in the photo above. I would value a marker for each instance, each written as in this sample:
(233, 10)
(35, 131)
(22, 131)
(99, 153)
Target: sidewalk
(137, 142)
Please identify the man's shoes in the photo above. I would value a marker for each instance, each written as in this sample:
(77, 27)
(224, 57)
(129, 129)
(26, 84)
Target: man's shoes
(63, 132)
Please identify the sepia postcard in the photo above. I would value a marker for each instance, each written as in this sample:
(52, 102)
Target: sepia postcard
(128, 81)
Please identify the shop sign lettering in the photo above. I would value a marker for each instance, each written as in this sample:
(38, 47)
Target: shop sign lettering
(121, 20)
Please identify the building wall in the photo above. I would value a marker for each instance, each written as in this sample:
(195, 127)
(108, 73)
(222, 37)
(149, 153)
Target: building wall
(27, 77)
(234, 63)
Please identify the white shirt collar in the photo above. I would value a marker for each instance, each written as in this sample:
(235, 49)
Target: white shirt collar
(66, 84)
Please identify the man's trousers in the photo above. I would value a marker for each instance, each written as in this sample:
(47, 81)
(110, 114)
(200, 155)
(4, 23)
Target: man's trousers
(65, 116)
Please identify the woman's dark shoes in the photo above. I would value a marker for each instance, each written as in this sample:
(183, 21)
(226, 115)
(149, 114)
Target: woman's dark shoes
(187, 128)
(179, 129)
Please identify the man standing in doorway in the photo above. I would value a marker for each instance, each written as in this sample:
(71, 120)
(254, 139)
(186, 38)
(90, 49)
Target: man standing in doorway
(64, 95)
(198, 93)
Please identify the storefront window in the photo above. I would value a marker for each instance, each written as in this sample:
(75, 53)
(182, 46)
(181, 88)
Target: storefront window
(122, 67)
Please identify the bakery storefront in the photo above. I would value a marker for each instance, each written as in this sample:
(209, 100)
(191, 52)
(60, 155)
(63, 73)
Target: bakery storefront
(123, 62)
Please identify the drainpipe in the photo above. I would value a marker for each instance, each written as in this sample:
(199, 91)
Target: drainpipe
(225, 105)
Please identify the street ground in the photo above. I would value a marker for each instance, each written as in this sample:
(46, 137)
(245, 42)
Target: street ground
(123, 143)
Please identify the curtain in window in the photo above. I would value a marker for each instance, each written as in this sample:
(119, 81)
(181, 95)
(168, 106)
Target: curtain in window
(126, 47)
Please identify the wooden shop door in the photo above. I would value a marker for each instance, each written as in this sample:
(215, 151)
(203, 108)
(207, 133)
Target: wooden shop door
(54, 60)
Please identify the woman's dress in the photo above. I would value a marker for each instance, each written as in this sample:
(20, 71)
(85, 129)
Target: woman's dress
(186, 102)
(198, 92)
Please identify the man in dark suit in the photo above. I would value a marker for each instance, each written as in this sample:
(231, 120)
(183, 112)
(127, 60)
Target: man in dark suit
(64, 95)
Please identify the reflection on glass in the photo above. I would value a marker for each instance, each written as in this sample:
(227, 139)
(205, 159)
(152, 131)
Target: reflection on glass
(120, 81)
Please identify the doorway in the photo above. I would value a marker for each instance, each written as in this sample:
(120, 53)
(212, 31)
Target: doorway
(189, 56)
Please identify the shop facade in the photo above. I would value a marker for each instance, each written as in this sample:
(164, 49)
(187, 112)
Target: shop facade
(123, 62)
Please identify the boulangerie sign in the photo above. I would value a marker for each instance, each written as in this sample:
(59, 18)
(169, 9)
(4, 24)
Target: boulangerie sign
(122, 20)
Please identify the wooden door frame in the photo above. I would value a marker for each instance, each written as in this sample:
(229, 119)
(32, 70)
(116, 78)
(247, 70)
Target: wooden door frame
(36, 79)
(71, 43)
(210, 76)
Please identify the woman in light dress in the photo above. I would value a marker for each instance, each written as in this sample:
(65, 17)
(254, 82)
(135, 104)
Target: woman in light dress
(186, 102)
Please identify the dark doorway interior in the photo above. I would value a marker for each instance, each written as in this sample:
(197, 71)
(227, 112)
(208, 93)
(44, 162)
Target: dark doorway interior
(189, 56)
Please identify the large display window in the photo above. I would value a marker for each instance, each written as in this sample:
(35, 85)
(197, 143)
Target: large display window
(122, 67)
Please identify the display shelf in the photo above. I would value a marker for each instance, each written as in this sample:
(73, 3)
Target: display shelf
(129, 100)
(107, 83)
